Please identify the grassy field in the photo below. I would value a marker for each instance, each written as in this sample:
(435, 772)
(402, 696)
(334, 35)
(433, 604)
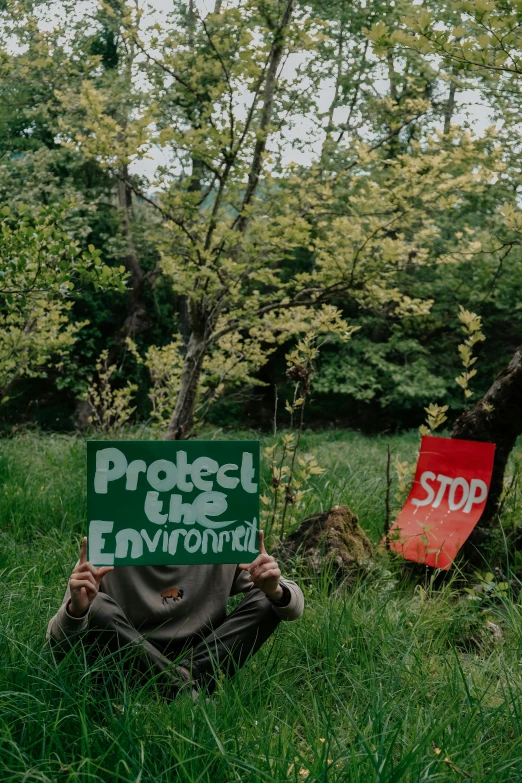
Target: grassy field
(385, 682)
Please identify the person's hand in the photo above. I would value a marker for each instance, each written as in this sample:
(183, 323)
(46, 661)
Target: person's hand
(264, 572)
(84, 583)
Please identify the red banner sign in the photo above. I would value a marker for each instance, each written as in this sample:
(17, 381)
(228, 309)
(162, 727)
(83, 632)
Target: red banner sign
(446, 501)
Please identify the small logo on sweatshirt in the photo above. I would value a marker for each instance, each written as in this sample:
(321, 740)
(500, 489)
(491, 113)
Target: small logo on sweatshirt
(175, 593)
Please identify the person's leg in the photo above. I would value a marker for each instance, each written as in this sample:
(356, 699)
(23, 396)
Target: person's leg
(234, 641)
(110, 629)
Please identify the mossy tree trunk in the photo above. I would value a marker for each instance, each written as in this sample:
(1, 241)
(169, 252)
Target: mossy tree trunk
(496, 418)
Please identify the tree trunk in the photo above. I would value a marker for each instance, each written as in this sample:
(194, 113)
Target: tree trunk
(276, 56)
(496, 418)
(181, 423)
(137, 319)
(450, 108)
(450, 103)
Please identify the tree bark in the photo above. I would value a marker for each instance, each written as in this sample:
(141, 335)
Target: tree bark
(450, 103)
(450, 108)
(137, 319)
(266, 116)
(496, 418)
(180, 425)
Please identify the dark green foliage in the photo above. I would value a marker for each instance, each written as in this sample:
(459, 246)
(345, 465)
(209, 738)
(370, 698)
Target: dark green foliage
(106, 45)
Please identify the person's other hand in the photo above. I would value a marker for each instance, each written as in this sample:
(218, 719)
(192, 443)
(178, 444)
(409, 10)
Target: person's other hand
(84, 583)
(264, 572)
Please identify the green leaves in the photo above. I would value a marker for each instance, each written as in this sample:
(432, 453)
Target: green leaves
(472, 326)
(436, 416)
(378, 31)
(41, 269)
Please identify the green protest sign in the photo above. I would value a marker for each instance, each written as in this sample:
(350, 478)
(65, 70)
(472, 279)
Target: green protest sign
(165, 503)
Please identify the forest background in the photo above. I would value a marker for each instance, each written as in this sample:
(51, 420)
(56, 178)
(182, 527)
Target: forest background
(212, 213)
(187, 193)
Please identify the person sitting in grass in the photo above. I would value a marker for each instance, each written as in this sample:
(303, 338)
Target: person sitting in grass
(173, 619)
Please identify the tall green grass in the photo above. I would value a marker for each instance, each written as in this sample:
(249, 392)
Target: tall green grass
(383, 682)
